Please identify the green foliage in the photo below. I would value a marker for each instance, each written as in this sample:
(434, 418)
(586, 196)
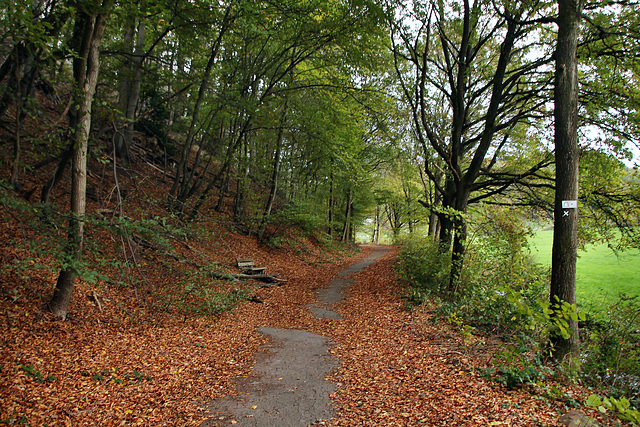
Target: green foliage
(424, 267)
(514, 377)
(302, 214)
(621, 407)
(611, 347)
(32, 372)
(505, 292)
(505, 289)
(560, 313)
(610, 198)
(42, 239)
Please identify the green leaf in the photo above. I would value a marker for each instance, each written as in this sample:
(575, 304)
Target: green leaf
(594, 401)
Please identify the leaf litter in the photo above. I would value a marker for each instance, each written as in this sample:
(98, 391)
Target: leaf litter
(128, 362)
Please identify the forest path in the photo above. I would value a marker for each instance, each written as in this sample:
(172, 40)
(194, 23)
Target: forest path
(341, 349)
(289, 386)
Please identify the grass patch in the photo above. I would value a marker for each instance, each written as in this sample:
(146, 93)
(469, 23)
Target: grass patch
(601, 274)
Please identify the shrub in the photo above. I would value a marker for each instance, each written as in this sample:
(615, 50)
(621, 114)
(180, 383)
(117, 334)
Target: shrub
(304, 215)
(611, 348)
(506, 291)
(503, 291)
(424, 267)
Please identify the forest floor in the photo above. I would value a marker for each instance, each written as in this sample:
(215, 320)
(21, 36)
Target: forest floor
(113, 365)
(153, 340)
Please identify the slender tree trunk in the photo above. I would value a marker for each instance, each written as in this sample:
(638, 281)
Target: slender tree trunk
(227, 164)
(240, 205)
(564, 252)
(14, 65)
(58, 174)
(15, 167)
(276, 171)
(25, 52)
(224, 188)
(346, 230)
(181, 180)
(376, 226)
(90, 29)
(130, 84)
(331, 201)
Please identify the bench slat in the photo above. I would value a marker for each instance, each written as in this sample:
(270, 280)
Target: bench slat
(248, 266)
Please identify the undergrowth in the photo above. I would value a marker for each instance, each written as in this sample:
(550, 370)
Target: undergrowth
(506, 294)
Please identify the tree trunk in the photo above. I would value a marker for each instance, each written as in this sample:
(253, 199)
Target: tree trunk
(346, 231)
(564, 252)
(375, 239)
(89, 29)
(458, 253)
(227, 164)
(240, 205)
(182, 182)
(129, 93)
(276, 171)
(58, 174)
(15, 167)
(331, 201)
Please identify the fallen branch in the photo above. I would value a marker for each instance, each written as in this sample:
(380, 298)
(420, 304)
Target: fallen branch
(268, 278)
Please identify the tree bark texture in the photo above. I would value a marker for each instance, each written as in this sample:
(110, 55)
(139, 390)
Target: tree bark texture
(564, 252)
(86, 68)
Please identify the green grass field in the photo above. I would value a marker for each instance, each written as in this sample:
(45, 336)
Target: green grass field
(602, 274)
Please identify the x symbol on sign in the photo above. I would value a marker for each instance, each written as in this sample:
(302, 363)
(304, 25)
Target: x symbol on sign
(566, 213)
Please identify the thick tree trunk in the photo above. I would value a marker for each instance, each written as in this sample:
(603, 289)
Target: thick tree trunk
(86, 68)
(564, 252)
(458, 253)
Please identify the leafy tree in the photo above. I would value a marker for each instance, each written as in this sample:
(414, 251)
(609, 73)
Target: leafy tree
(466, 74)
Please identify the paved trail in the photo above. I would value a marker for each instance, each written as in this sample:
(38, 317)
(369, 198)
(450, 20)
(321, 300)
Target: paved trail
(289, 386)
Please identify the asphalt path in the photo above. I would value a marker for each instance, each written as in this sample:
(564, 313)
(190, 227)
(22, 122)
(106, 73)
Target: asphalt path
(289, 386)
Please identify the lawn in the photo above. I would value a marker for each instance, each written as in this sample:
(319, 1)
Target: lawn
(602, 274)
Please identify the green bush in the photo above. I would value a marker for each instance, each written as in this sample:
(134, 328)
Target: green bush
(611, 348)
(304, 215)
(424, 267)
(503, 292)
(620, 407)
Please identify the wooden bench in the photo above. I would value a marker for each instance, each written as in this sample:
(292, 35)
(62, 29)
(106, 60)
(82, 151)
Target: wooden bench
(247, 266)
